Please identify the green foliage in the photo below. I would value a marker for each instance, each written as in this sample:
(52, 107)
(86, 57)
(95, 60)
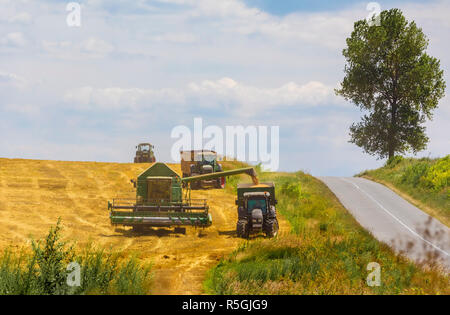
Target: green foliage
(394, 161)
(52, 257)
(326, 253)
(426, 180)
(390, 75)
(438, 175)
(44, 272)
(414, 173)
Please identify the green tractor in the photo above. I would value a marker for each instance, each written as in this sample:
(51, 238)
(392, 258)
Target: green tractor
(201, 162)
(161, 202)
(256, 210)
(144, 153)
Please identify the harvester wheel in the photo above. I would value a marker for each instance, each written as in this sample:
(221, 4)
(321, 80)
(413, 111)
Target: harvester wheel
(179, 230)
(242, 229)
(138, 228)
(271, 227)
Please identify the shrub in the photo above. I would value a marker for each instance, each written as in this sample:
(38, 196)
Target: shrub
(438, 176)
(44, 271)
(414, 173)
(394, 161)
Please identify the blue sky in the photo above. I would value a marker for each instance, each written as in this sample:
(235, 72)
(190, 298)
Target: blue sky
(137, 69)
(285, 7)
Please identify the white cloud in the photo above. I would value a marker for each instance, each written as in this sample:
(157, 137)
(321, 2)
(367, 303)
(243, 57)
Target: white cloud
(14, 39)
(224, 93)
(184, 38)
(22, 18)
(28, 110)
(328, 29)
(11, 79)
(90, 48)
(97, 47)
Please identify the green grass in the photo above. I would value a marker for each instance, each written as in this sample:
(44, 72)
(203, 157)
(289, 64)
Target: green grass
(44, 270)
(326, 252)
(426, 181)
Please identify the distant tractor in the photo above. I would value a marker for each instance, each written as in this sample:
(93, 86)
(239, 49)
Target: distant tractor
(256, 210)
(144, 153)
(201, 162)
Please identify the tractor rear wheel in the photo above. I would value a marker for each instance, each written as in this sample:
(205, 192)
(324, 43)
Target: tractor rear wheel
(242, 229)
(271, 227)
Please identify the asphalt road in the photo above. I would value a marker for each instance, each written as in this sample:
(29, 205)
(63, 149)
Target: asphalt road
(393, 220)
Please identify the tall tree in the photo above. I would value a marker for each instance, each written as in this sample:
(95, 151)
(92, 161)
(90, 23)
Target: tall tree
(390, 77)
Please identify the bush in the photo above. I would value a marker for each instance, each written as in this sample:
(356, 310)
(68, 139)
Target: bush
(414, 173)
(44, 271)
(438, 176)
(394, 161)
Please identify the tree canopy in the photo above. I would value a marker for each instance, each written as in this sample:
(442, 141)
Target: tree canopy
(391, 78)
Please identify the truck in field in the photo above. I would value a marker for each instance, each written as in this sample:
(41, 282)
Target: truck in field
(201, 162)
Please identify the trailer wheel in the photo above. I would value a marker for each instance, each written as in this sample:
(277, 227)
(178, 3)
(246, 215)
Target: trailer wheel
(242, 229)
(271, 227)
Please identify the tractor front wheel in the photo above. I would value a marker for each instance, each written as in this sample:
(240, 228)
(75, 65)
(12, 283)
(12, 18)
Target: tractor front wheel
(242, 229)
(271, 227)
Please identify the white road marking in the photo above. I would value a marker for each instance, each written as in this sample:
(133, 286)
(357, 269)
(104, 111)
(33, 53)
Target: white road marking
(397, 219)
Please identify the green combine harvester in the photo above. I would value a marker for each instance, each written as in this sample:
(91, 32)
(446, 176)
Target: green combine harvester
(163, 200)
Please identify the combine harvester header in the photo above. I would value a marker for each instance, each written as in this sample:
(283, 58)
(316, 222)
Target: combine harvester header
(160, 202)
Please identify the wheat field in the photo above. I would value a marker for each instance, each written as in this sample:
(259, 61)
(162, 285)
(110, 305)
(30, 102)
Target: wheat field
(34, 194)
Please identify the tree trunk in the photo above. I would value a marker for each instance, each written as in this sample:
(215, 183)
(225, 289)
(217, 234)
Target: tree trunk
(392, 145)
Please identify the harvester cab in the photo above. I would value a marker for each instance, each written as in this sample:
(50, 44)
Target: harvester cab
(144, 153)
(256, 210)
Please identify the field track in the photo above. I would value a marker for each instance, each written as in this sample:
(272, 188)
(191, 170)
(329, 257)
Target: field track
(34, 194)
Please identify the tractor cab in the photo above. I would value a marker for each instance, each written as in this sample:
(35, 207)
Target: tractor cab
(144, 147)
(257, 200)
(144, 153)
(206, 162)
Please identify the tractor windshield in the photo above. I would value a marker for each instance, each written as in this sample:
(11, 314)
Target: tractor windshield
(145, 147)
(257, 204)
